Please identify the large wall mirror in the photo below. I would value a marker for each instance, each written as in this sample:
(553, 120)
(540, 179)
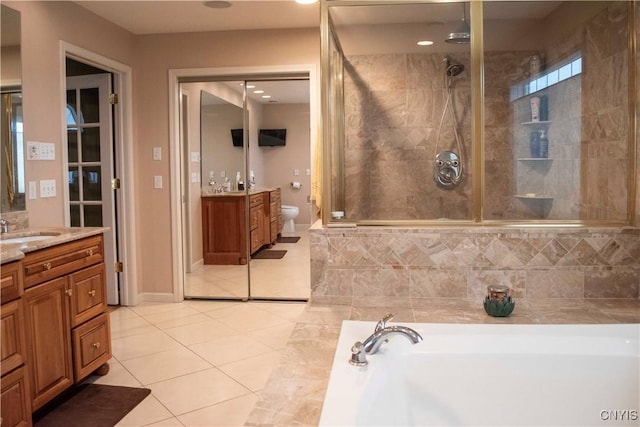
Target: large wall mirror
(230, 248)
(12, 164)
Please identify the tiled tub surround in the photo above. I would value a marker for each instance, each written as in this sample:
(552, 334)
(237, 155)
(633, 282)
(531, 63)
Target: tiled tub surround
(295, 391)
(349, 265)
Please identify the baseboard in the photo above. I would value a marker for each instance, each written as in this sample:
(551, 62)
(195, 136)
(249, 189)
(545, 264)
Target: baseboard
(197, 265)
(156, 297)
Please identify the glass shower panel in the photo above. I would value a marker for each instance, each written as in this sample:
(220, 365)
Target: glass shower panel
(407, 112)
(556, 118)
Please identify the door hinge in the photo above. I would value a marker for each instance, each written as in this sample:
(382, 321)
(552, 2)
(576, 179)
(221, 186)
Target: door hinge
(115, 183)
(118, 267)
(113, 98)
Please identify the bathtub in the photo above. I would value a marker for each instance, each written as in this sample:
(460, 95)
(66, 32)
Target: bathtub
(489, 374)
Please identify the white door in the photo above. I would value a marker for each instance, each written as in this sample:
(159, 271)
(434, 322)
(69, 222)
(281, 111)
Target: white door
(89, 196)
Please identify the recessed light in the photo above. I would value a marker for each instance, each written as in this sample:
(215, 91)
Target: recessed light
(217, 4)
(266, 96)
(251, 86)
(258, 91)
(425, 43)
(306, 1)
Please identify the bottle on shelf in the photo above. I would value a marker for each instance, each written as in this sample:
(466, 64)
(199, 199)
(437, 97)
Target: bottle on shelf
(534, 144)
(544, 144)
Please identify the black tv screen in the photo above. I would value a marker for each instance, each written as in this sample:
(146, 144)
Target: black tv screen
(236, 137)
(272, 137)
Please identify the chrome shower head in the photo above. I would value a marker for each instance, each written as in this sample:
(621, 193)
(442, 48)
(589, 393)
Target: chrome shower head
(463, 34)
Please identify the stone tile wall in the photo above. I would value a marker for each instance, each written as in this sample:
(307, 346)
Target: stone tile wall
(352, 265)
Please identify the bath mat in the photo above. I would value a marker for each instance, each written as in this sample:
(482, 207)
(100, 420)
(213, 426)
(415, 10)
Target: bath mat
(268, 254)
(282, 239)
(94, 405)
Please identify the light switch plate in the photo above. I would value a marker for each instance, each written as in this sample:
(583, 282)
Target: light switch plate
(195, 177)
(296, 172)
(195, 156)
(33, 190)
(33, 150)
(47, 151)
(157, 181)
(47, 188)
(157, 153)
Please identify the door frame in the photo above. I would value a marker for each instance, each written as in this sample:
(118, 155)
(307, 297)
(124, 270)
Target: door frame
(176, 76)
(123, 159)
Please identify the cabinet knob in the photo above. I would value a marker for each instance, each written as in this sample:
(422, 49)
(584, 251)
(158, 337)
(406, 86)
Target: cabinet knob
(69, 292)
(47, 266)
(89, 252)
(96, 345)
(92, 293)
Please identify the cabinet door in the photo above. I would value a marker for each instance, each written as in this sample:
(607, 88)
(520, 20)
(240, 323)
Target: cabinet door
(91, 346)
(48, 334)
(13, 343)
(14, 401)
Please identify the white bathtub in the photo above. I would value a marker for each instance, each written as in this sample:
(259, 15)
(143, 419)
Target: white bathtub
(487, 374)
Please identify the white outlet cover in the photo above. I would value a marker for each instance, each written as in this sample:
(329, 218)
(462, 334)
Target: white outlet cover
(33, 190)
(195, 156)
(157, 181)
(157, 153)
(33, 150)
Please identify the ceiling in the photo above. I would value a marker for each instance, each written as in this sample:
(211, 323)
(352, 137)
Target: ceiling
(153, 17)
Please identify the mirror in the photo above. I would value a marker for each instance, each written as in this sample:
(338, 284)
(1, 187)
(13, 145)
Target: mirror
(212, 117)
(12, 164)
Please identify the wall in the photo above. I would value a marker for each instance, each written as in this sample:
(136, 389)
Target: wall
(393, 107)
(44, 24)
(280, 162)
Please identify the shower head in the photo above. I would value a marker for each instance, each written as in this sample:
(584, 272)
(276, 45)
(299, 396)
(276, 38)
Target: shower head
(453, 68)
(463, 34)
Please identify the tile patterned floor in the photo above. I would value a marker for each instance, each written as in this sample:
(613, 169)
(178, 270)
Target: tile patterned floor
(287, 277)
(204, 361)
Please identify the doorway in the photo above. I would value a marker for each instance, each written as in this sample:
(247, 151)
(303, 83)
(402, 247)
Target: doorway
(88, 163)
(265, 168)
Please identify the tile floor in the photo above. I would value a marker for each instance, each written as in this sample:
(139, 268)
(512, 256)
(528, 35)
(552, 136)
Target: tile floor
(204, 361)
(287, 277)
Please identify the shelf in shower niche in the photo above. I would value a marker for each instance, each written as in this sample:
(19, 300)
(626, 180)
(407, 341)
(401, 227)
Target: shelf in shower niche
(529, 197)
(540, 123)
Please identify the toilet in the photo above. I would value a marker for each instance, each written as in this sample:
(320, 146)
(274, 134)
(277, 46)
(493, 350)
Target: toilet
(289, 213)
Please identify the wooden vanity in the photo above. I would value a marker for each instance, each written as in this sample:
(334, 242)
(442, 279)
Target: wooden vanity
(55, 325)
(224, 233)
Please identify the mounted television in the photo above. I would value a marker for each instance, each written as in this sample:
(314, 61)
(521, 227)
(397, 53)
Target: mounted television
(237, 137)
(272, 137)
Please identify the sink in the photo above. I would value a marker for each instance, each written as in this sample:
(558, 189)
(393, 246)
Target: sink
(30, 238)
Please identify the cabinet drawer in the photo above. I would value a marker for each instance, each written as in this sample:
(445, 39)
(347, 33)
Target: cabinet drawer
(47, 264)
(11, 281)
(274, 196)
(256, 199)
(91, 346)
(12, 339)
(88, 288)
(15, 407)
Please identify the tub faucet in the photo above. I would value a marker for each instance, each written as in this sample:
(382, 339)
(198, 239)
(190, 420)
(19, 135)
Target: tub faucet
(380, 336)
(4, 226)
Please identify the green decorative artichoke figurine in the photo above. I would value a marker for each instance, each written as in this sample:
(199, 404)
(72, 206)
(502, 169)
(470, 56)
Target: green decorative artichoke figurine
(499, 308)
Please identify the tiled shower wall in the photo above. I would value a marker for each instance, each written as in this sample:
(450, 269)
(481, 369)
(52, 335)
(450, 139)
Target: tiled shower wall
(381, 263)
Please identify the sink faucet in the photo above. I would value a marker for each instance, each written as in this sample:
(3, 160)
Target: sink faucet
(381, 335)
(4, 226)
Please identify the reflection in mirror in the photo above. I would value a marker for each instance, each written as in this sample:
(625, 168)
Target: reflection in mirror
(12, 191)
(216, 254)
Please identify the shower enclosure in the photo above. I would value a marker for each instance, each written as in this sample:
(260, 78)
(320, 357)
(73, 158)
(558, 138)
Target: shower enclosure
(529, 119)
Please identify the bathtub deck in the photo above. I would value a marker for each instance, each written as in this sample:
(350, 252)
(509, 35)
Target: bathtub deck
(295, 391)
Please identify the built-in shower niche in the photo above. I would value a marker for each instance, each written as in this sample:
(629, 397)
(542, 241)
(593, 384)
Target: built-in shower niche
(548, 184)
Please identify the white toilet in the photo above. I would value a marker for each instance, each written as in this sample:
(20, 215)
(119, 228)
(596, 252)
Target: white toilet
(289, 213)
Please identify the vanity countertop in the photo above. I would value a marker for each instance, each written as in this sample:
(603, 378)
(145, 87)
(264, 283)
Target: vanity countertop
(208, 192)
(51, 236)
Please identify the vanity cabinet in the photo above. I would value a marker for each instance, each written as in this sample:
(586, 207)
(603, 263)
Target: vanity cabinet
(15, 402)
(224, 233)
(66, 324)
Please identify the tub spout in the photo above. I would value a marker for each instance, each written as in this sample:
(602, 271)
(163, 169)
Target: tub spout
(381, 335)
